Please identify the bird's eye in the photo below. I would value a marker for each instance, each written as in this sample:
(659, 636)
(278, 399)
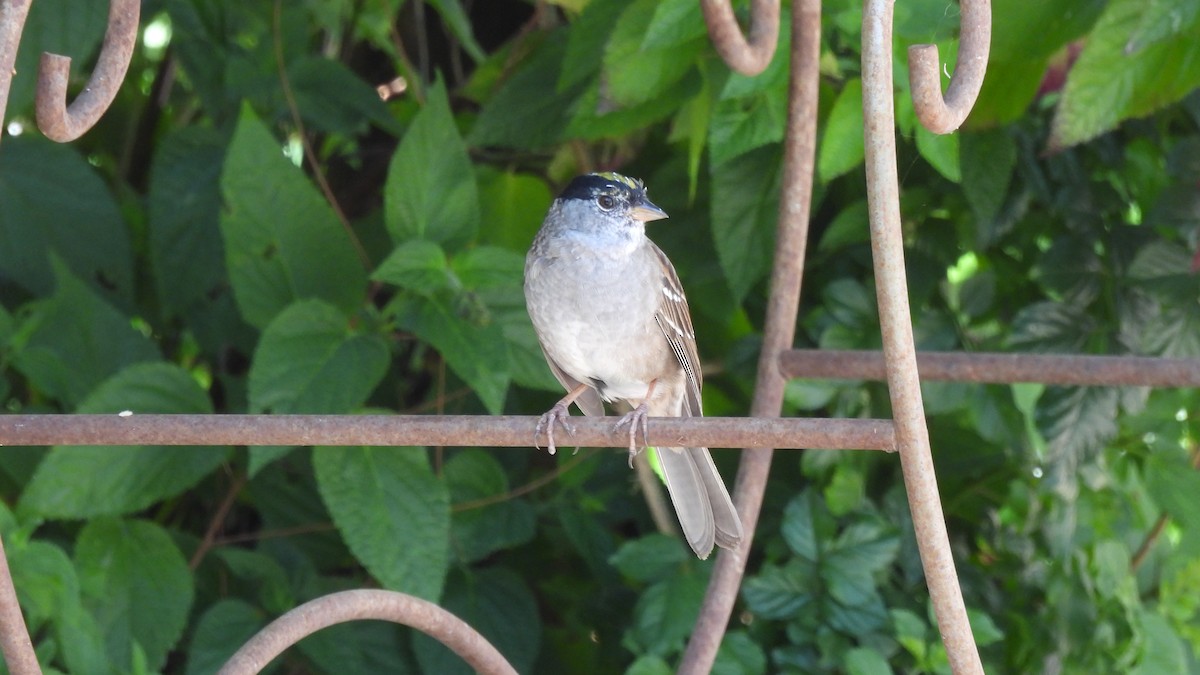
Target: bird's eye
(606, 202)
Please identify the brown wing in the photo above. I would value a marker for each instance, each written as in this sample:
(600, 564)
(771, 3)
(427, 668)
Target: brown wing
(589, 401)
(675, 321)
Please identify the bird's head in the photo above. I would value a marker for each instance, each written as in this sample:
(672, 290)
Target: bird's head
(597, 203)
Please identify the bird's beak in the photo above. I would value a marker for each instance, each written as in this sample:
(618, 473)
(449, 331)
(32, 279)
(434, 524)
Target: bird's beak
(647, 211)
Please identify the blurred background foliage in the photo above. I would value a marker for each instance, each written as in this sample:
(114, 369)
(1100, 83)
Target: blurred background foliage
(252, 228)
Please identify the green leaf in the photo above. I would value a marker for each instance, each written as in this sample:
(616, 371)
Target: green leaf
(392, 511)
(272, 588)
(73, 340)
(780, 592)
(459, 24)
(652, 558)
(649, 665)
(845, 491)
(1050, 327)
(479, 531)
(666, 613)
(1173, 484)
(359, 647)
(739, 655)
(85, 481)
(183, 212)
(674, 22)
(586, 37)
(417, 266)
(310, 360)
(1162, 650)
(865, 546)
(742, 124)
(332, 98)
(523, 114)
(745, 210)
(55, 205)
(851, 226)
(45, 580)
(1170, 324)
(799, 528)
(941, 151)
(430, 192)
(282, 240)
(515, 204)
(987, 159)
(638, 68)
(137, 584)
(474, 347)
(497, 603)
(1076, 423)
(842, 146)
(1129, 68)
(866, 661)
(220, 631)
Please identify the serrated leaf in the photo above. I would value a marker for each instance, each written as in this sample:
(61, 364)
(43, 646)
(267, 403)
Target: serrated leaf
(359, 647)
(586, 37)
(648, 664)
(1125, 71)
(842, 145)
(85, 481)
(1050, 327)
(864, 546)
(1173, 484)
(45, 580)
(515, 204)
(55, 205)
(220, 631)
(780, 592)
(739, 655)
(674, 22)
(183, 212)
(665, 613)
(309, 360)
(480, 530)
(745, 208)
(392, 511)
(866, 661)
(1170, 324)
(282, 240)
(430, 191)
(1076, 423)
(73, 340)
(136, 583)
(742, 124)
(941, 151)
(497, 603)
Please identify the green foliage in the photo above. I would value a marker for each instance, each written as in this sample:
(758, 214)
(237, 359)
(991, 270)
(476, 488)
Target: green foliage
(252, 229)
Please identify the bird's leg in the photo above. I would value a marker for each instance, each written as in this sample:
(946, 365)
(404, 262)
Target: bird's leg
(637, 418)
(559, 414)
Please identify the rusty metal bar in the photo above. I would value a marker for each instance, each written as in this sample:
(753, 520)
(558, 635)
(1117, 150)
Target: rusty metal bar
(783, 304)
(14, 636)
(12, 21)
(434, 430)
(904, 386)
(943, 115)
(62, 123)
(360, 605)
(748, 57)
(999, 368)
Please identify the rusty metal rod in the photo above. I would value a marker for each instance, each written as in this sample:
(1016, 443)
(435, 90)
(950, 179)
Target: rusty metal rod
(446, 430)
(62, 123)
(12, 21)
(14, 635)
(746, 56)
(943, 115)
(362, 605)
(998, 368)
(795, 200)
(895, 323)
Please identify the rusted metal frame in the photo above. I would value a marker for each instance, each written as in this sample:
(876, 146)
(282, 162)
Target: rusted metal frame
(14, 635)
(999, 368)
(12, 21)
(904, 387)
(433, 430)
(943, 115)
(748, 57)
(359, 605)
(62, 123)
(778, 333)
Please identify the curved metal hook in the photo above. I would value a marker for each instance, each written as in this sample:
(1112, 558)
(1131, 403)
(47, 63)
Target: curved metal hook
(62, 123)
(941, 116)
(748, 57)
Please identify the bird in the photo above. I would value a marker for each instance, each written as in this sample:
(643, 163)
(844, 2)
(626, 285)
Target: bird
(613, 323)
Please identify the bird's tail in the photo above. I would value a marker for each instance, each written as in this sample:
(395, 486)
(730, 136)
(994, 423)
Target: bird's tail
(702, 503)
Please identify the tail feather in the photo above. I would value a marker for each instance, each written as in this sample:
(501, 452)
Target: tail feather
(702, 503)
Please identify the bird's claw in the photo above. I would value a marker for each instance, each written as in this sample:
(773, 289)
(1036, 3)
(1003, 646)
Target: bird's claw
(559, 414)
(638, 418)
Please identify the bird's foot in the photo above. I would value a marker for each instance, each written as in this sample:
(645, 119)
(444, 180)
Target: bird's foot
(638, 418)
(559, 415)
